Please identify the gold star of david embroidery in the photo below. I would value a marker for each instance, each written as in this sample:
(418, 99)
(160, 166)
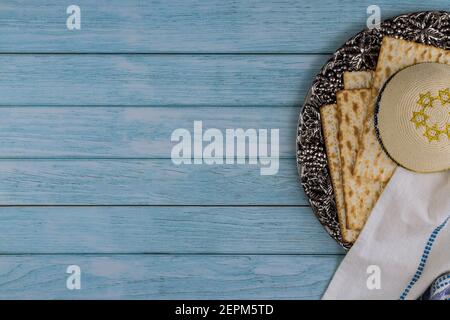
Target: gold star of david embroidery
(426, 100)
(432, 133)
(444, 96)
(421, 118)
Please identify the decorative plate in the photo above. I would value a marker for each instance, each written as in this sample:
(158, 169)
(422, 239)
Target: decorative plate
(357, 54)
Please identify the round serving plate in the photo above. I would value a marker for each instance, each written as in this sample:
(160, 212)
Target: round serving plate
(357, 54)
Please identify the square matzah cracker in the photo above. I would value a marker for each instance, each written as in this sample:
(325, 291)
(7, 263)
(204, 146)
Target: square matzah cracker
(360, 195)
(329, 118)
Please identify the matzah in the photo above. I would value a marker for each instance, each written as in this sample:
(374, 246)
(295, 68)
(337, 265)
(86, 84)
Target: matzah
(358, 80)
(330, 127)
(360, 195)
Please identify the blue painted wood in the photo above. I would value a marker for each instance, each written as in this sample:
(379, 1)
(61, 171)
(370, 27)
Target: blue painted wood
(193, 25)
(246, 243)
(145, 182)
(157, 80)
(262, 230)
(167, 276)
(131, 132)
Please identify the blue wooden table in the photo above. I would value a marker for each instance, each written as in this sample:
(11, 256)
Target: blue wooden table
(85, 126)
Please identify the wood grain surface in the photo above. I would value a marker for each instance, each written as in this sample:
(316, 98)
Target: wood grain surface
(214, 26)
(156, 80)
(128, 132)
(168, 276)
(166, 229)
(145, 182)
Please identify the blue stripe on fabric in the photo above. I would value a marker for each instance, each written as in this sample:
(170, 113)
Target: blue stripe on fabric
(424, 258)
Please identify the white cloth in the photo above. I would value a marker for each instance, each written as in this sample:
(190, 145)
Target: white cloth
(406, 239)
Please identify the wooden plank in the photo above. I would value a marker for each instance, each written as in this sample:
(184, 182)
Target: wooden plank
(157, 80)
(266, 230)
(145, 182)
(132, 132)
(191, 26)
(167, 276)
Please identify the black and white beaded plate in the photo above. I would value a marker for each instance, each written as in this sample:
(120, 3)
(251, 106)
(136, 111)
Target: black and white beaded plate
(357, 54)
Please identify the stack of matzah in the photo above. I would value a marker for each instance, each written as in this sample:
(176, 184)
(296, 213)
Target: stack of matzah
(358, 166)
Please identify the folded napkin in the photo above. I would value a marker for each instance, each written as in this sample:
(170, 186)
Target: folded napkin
(405, 244)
